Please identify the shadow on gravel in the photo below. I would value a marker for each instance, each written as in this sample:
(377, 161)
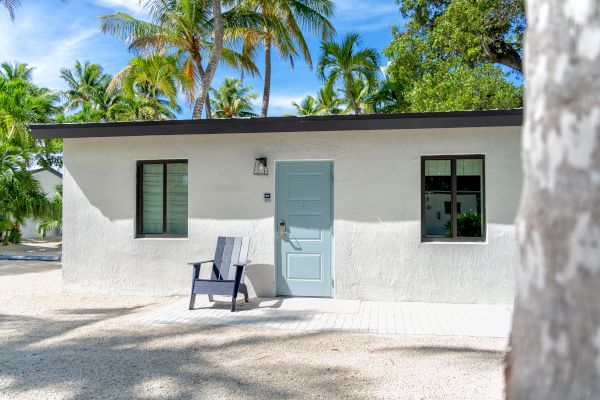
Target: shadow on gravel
(435, 350)
(18, 267)
(52, 356)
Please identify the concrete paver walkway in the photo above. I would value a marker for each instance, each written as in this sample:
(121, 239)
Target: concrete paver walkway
(302, 314)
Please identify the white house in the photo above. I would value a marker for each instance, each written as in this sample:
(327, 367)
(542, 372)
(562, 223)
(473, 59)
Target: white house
(48, 179)
(407, 207)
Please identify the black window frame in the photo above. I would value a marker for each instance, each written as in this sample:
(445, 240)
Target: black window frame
(140, 200)
(453, 198)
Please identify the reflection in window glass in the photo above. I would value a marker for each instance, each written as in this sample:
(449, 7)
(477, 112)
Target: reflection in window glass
(438, 193)
(152, 204)
(469, 185)
(177, 198)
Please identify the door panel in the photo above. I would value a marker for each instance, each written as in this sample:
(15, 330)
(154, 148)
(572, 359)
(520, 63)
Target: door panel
(304, 202)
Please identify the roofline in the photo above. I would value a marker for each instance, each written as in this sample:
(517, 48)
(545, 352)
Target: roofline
(454, 119)
(51, 170)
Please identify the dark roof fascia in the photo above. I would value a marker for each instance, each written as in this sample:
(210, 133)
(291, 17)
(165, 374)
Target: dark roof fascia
(369, 122)
(51, 170)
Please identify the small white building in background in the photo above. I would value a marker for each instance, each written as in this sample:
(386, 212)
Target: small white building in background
(48, 178)
(406, 207)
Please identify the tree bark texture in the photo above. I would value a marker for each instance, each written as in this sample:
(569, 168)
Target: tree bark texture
(267, 88)
(555, 341)
(213, 60)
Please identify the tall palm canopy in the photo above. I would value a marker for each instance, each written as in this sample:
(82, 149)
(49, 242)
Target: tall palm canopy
(21, 103)
(10, 6)
(156, 75)
(346, 62)
(16, 70)
(284, 21)
(232, 99)
(185, 28)
(307, 106)
(85, 82)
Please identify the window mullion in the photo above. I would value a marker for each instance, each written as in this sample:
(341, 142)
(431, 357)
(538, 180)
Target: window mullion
(164, 198)
(453, 199)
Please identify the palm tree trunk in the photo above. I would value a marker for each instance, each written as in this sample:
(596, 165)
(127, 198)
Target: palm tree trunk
(267, 88)
(207, 107)
(201, 72)
(213, 61)
(555, 338)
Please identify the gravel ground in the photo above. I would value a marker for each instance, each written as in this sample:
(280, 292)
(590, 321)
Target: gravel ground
(79, 346)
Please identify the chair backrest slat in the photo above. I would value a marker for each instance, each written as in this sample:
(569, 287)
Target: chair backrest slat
(235, 256)
(218, 258)
(230, 251)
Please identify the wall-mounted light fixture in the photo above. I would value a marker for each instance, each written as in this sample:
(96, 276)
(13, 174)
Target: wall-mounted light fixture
(260, 166)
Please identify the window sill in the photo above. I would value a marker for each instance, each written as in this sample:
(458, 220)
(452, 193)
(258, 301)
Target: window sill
(161, 236)
(465, 240)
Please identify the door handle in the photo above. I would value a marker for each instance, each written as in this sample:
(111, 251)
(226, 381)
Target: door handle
(282, 229)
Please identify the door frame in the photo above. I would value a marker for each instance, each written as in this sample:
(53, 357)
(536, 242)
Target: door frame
(276, 223)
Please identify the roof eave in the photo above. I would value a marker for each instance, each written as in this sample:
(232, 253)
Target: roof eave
(459, 119)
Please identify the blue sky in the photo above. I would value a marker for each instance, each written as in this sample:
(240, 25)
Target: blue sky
(52, 34)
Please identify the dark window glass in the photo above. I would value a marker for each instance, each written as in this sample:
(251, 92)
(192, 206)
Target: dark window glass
(438, 191)
(448, 211)
(162, 198)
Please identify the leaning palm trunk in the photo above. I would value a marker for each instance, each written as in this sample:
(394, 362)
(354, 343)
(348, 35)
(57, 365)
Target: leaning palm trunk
(201, 72)
(555, 341)
(213, 60)
(267, 88)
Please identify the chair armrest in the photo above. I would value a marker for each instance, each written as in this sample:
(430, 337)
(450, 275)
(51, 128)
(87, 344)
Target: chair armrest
(201, 262)
(242, 264)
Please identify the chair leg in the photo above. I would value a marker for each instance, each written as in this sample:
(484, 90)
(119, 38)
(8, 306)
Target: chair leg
(244, 290)
(192, 301)
(210, 297)
(236, 287)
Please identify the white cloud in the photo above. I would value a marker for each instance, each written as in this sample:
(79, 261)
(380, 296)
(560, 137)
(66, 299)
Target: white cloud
(135, 6)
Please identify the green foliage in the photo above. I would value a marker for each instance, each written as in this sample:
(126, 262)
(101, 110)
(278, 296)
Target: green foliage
(476, 31)
(468, 224)
(156, 77)
(21, 103)
(346, 63)
(21, 197)
(462, 88)
(307, 106)
(232, 99)
(448, 56)
(52, 220)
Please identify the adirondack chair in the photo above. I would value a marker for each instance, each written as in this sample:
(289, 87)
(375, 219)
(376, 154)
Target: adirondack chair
(227, 271)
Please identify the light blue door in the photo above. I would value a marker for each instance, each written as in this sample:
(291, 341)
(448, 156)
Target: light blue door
(303, 228)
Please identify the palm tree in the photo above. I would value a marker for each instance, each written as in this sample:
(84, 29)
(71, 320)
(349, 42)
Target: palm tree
(184, 27)
(16, 70)
(10, 6)
(86, 82)
(345, 62)
(155, 76)
(328, 102)
(284, 21)
(233, 99)
(363, 93)
(308, 106)
(52, 220)
(21, 197)
(21, 103)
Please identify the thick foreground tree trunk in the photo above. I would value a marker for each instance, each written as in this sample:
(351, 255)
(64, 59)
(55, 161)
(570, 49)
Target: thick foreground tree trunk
(213, 60)
(267, 88)
(555, 341)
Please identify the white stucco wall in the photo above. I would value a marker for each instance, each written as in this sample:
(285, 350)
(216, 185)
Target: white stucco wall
(378, 251)
(48, 182)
